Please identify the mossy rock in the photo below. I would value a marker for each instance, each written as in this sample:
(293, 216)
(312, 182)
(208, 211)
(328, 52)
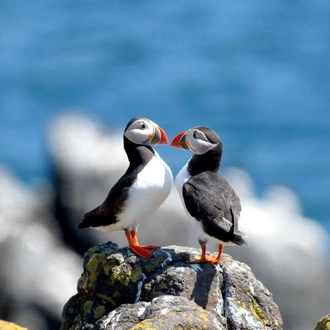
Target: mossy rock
(324, 323)
(116, 279)
(4, 325)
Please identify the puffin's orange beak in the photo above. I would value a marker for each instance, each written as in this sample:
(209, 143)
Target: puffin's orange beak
(159, 136)
(180, 141)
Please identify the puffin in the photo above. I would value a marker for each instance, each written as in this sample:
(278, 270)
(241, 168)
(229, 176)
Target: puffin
(208, 199)
(142, 189)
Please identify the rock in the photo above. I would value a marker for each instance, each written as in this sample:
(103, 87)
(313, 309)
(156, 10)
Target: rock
(10, 326)
(324, 323)
(118, 290)
(162, 313)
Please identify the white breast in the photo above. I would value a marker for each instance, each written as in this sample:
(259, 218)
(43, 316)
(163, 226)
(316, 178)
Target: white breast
(180, 180)
(147, 194)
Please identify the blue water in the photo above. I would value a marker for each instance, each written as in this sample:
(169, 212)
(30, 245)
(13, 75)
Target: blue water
(256, 71)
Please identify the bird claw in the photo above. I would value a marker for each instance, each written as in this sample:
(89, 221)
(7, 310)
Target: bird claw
(206, 259)
(141, 251)
(151, 247)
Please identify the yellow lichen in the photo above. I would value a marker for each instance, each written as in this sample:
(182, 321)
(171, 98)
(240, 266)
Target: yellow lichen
(144, 325)
(124, 274)
(108, 299)
(156, 264)
(204, 316)
(94, 249)
(226, 257)
(4, 325)
(92, 268)
(99, 312)
(120, 275)
(87, 306)
(136, 273)
(71, 310)
(150, 267)
(257, 311)
(241, 304)
(324, 323)
(163, 285)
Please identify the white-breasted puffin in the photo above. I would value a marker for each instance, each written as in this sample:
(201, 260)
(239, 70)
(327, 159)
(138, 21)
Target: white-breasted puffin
(207, 197)
(140, 191)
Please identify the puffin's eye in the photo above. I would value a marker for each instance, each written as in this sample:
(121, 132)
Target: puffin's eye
(195, 135)
(143, 126)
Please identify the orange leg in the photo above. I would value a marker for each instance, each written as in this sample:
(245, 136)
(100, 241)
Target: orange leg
(220, 249)
(205, 258)
(134, 245)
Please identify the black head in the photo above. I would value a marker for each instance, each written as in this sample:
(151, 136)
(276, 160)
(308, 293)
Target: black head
(144, 131)
(206, 145)
(199, 139)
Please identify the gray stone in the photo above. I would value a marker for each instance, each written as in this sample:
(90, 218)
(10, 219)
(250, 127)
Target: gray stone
(118, 290)
(162, 313)
(324, 323)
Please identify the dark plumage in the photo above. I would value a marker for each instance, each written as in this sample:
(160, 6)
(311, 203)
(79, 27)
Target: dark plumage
(206, 195)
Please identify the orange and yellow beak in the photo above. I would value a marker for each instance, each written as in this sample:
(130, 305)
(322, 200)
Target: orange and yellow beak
(158, 137)
(180, 141)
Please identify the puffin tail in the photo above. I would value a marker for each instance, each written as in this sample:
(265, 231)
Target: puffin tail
(238, 239)
(87, 221)
(99, 217)
(83, 225)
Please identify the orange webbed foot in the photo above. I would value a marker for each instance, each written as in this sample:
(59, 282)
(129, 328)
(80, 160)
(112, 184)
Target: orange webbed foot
(141, 251)
(211, 260)
(151, 247)
(204, 258)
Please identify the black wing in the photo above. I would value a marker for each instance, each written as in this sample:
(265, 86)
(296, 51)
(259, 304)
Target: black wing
(210, 199)
(106, 213)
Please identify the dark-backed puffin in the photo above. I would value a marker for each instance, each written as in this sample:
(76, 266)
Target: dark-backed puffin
(140, 191)
(207, 197)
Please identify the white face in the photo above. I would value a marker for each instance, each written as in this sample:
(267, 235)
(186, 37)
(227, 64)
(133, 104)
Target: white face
(198, 142)
(141, 131)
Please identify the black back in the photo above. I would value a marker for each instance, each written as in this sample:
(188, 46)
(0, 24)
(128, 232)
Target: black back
(210, 199)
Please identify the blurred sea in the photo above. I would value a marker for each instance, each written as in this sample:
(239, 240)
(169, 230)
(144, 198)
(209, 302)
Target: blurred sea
(256, 71)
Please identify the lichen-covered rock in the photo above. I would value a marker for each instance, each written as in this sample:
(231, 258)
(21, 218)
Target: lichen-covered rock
(119, 290)
(324, 323)
(4, 325)
(162, 313)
